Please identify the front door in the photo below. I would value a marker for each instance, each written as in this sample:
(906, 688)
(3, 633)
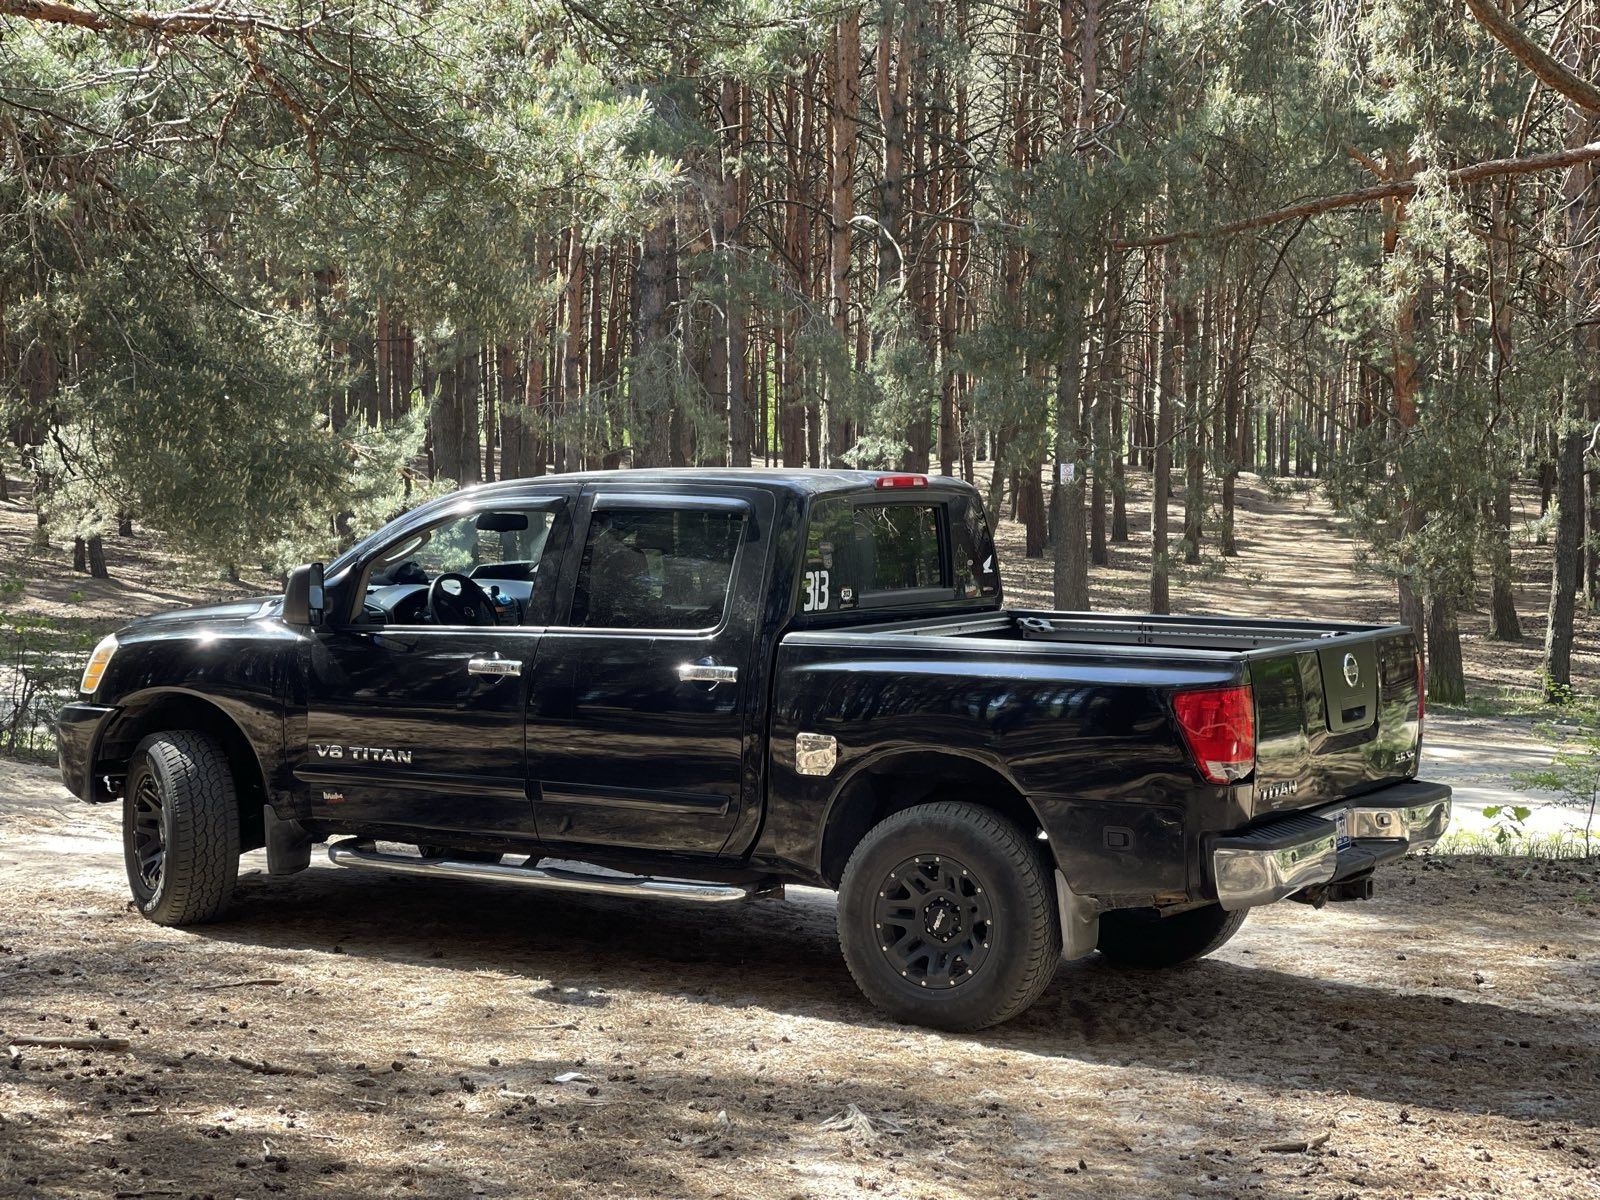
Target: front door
(643, 725)
(416, 707)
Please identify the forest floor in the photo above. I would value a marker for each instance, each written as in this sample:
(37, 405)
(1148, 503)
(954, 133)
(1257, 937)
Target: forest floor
(1438, 1041)
(1296, 560)
(450, 1039)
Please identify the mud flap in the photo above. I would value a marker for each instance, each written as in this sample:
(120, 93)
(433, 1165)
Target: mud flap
(1080, 921)
(288, 844)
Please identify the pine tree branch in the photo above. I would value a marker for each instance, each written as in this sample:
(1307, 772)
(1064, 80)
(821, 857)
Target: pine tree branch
(1492, 169)
(1536, 58)
(196, 19)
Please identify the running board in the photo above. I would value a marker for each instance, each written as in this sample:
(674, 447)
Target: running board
(356, 852)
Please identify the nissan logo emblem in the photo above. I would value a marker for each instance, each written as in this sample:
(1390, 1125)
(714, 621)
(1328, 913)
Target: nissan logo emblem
(1352, 670)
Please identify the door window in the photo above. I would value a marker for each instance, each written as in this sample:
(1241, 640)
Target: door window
(656, 568)
(498, 550)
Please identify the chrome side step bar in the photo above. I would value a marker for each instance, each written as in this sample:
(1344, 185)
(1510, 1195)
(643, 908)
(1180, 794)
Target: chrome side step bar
(357, 852)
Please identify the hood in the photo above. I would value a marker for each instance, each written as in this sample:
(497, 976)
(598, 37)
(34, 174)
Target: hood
(210, 614)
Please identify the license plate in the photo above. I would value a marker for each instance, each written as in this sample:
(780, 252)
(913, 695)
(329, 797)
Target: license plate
(1341, 829)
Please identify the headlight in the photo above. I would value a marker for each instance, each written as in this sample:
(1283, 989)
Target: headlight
(98, 661)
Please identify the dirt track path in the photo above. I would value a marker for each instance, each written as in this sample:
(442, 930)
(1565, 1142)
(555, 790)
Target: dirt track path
(1443, 1048)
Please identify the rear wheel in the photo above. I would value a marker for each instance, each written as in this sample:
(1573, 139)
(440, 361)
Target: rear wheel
(1138, 937)
(180, 828)
(947, 917)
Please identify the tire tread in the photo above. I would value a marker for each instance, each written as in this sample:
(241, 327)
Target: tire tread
(1043, 949)
(202, 853)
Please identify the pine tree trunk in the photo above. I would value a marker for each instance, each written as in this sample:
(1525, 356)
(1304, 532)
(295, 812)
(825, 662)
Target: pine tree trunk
(124, 523)
(1566, 565)
(1591, 542)
(1582, 389)
(364, 368)
(1071, 576)
(1031, 511)
(893, 82)
(1161, 478)
(1119, 474)
(846, 79)
(1231, 446)
(995, 504)
(489, 387)
(80, 555)
(511, 381)
(1503, 623)
(649, 410)
(1404, 376)
(1194, 497)
(1100, 435)
(453, 416)
(97, 558)
(1447, 682)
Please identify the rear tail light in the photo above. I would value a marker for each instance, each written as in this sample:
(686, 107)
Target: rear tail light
(901, 481)
(1219, 726)
(1420, 690)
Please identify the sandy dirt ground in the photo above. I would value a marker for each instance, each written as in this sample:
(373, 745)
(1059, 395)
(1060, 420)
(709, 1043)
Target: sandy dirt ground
(146, 574)
(352, 1034)
(453, 1039)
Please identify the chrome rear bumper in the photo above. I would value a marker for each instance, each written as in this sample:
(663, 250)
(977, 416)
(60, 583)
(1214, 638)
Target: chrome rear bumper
(1419, 825)
(1287, 855)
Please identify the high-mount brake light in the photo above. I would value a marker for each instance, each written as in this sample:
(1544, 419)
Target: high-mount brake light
(1219, 726)
(901, 481)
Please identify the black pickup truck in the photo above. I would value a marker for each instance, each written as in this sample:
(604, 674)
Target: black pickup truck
(703, 684)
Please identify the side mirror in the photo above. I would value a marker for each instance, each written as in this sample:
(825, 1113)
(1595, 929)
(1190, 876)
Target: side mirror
(303, 598)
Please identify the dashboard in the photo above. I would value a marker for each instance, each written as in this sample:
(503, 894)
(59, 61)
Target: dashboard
(407, 603)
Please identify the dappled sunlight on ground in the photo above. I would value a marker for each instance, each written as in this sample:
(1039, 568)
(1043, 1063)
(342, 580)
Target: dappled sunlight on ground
(1437, 1041)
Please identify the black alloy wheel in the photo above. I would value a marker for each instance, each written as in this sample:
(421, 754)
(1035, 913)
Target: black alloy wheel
(947, 916)
(149, 834)
(935, 921)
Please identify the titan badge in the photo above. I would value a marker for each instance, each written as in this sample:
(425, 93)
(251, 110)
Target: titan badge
(365, 754)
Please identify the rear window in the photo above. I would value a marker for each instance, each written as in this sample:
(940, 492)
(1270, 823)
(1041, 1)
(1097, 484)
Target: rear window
(878, 553)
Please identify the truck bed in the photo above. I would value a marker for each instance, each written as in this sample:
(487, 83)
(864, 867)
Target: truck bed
(1226, 635)
(1337, 706)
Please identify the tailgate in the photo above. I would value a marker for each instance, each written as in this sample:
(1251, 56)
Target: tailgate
(1335, 717)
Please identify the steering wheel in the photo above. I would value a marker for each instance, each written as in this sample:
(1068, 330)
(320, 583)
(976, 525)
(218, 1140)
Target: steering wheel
(466, 604)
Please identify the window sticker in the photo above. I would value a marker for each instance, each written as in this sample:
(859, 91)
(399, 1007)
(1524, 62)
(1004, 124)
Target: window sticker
(815, 590)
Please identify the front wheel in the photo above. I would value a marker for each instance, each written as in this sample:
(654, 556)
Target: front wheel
(1139, 937)
(180, 828)
(947, 917)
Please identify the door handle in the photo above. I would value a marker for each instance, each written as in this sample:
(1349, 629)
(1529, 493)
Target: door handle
(707, 673)
(493, 666)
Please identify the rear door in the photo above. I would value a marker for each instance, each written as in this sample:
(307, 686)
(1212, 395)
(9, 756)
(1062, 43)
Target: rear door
(643, 722)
